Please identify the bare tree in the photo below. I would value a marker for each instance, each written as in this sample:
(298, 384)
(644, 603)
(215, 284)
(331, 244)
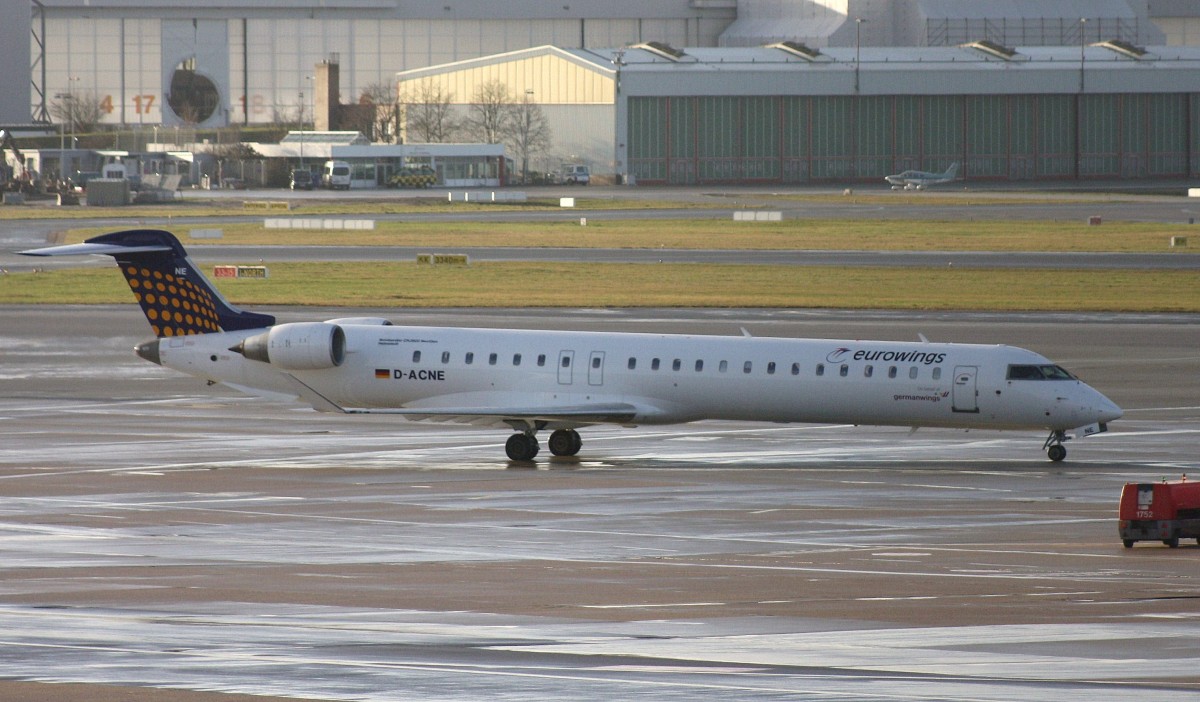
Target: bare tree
(528, 131)
(291, 118)
(429, 119)
(78, 112)
(231, 158)
(489, 112)
(385, 111)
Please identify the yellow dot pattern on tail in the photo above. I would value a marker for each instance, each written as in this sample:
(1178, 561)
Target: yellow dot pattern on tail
(173, 304)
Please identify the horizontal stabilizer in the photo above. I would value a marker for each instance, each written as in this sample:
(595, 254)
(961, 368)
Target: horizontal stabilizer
(89, 249)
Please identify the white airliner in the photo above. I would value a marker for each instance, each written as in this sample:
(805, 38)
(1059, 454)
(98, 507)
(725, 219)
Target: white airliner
(919, 180)
(560, 381)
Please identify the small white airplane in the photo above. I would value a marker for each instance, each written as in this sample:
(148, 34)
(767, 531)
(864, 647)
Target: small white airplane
(560, 381)
(919, 180)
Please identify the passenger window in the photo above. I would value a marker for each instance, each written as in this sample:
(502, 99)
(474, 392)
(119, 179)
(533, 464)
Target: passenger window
(912, 372)
(516, 359)
(891, 371)
(632, 363)
(747, 367)
(795, 369)
(844, 370)
(566, 361)
(724, 366)
(868, 371)
(699, 366)
(416, 356)
(492, 359)
(470, 357)
(654, 363)
(937, 373)
(595, 361)
(820, 369)
(676, 365)
(771, 368)
(541, 360)
(445, 357)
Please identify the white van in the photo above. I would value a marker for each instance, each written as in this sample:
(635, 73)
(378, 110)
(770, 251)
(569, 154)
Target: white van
(336, 175)
(575, 174)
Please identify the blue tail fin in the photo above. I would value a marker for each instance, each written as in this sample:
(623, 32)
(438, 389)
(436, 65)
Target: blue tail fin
(176, 298)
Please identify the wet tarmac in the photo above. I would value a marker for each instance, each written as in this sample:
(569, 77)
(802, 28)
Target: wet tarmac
(157, 533)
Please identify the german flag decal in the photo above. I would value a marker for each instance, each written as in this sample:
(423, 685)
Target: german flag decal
(382, 374)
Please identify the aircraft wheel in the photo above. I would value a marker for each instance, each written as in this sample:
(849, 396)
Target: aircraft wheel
(565, 442)
(1056, 452)
(521, 447)
(1172, 542)
(1128, 543)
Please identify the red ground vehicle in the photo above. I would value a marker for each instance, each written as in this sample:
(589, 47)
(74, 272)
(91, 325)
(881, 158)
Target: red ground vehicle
(1166, 511)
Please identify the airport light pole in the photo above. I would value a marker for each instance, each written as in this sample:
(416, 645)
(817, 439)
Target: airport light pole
(620, 124)
(300, 133)
(303, 104)
(1082, 45)
(858, 22)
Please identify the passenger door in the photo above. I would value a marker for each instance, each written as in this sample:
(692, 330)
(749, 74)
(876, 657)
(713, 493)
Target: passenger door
(596, 368)
(965, 394)
(566, 361)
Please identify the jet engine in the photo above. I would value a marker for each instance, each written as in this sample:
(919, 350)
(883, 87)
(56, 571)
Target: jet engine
(302, 346)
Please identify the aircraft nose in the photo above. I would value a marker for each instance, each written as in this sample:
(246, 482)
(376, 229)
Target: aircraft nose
(1109, 411)
(1106, 410)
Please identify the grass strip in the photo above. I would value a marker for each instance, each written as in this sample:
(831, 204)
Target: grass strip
(693, 234)
(494, 284)
(198, 206)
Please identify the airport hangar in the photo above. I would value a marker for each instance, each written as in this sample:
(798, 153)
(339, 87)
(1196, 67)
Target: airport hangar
(787, 113)
(709, 115)
(252, 60)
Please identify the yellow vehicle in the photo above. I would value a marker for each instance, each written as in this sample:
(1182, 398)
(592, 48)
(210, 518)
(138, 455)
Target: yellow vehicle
(414, 177)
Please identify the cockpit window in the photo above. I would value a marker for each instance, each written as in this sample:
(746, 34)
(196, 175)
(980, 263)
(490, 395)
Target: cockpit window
(1024, 372)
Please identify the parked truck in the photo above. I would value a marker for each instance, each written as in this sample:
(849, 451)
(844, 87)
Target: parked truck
(1166, 511)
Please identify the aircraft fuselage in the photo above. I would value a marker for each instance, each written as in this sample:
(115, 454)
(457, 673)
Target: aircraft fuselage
(667, 378)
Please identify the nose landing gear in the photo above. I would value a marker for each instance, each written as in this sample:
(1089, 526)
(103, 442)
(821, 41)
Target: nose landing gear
(1054, 448)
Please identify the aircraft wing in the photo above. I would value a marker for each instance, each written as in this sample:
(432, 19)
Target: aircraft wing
(611, 413)
(489, 416)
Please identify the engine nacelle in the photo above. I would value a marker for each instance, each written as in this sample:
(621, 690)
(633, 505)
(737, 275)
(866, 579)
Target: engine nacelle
(302, 346)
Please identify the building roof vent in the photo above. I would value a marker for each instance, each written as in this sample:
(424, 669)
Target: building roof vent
(1126, 49)
(799, 50)
(662, 50)
(994, 50)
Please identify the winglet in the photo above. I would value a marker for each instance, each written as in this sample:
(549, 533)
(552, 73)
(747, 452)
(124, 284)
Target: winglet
(174, 295)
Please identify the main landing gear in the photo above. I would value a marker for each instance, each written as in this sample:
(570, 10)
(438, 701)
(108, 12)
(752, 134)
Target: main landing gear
(1055, 450)
(524, 446)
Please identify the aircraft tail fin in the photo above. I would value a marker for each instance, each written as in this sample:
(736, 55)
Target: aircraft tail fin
(951, 172)
(174, 295)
